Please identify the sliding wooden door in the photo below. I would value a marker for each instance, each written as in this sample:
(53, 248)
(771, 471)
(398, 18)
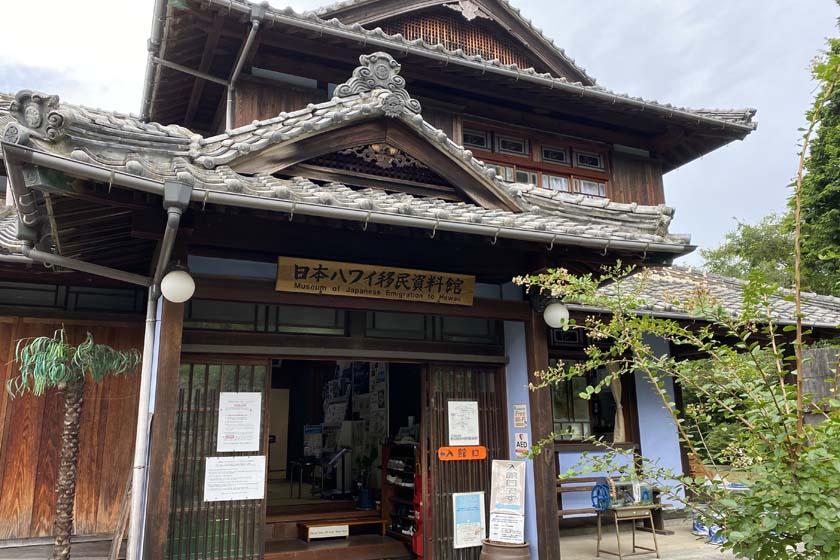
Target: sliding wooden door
(445, 383)
(200, 529)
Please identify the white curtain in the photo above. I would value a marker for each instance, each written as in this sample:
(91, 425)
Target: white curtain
(615, 386)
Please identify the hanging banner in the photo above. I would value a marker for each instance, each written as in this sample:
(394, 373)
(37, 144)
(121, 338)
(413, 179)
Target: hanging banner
(381, 282)
(239, 422)
(234, 478)
(463, 423)
(468, 519)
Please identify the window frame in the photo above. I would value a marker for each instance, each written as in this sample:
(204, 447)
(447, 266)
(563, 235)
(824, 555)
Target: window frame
(564, 151)
(488, 141)
(523, 139)
(600, 167)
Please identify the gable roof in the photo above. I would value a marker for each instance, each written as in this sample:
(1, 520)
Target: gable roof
(370, 12)
(661, 287)
(685, 133)
(122, 148)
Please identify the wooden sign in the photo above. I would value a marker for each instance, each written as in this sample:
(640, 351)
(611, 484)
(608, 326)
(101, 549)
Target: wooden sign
(381, 282)
(462, 453)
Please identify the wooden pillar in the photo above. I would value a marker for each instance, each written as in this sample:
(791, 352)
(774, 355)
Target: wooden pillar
(163, 430)
(542, 424)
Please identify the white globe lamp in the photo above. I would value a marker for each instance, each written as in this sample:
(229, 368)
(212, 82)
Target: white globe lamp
(556, 315)
(177, 286)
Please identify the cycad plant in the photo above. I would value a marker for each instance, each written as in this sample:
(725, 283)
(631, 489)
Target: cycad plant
(52, 362)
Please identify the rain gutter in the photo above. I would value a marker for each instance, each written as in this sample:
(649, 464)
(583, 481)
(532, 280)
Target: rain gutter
(206, 196)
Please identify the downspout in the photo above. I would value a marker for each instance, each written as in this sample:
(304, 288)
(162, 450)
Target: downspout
(257, 14)
(153, 48)
(176, 198)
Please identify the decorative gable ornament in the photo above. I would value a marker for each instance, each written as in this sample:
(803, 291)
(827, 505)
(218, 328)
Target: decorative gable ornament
(37, 115)
(469, 9)
(380, 71)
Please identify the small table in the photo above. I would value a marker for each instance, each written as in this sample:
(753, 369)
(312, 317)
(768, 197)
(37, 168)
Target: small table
(628, 513)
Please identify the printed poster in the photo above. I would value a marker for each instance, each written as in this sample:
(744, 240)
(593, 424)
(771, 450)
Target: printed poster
(463, 423)
(520, 416)
(507, 528)
(507, 487)
(239, 422)
(234, 478)
(468, 519)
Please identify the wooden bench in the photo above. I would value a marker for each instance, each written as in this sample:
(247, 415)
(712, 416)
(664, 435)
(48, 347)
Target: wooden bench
(341, 528)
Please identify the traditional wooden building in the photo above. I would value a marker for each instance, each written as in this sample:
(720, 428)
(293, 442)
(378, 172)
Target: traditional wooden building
(352, 191)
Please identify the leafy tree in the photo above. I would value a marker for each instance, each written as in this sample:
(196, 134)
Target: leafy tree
(766, 247)
(792, 469)
(52, 362)
(791, 509)
(820, 190)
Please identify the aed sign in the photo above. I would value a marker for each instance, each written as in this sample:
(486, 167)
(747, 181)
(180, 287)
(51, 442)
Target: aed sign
(521, 445)
(331, 278)
(462, 453)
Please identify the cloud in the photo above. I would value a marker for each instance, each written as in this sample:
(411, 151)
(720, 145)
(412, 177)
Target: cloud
(697, 53)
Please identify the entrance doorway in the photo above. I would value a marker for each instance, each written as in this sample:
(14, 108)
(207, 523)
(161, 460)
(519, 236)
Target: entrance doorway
(351, 448)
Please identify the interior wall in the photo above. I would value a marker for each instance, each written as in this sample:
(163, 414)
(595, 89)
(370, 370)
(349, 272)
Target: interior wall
(30, 436)
(278, 426)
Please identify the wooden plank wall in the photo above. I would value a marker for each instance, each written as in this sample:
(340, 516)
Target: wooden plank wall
(256, 100)
(30, 433)
(636, 179)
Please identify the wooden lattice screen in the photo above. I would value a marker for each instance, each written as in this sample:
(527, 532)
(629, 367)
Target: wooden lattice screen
(461, 383)
(478, 37)
(199, 529)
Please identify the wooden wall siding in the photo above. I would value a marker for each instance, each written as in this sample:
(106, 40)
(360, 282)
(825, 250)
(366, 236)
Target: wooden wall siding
(199, 529)
(465, 383)
(257, 100)
(30, 432)
(447, 121)
(479, 36)
(636, 179)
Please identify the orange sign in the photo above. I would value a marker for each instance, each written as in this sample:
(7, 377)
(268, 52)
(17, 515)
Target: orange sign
(462, 453)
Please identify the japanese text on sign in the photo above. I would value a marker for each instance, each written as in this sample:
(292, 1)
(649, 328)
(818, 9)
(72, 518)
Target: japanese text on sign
(381, 282)
(463, 453)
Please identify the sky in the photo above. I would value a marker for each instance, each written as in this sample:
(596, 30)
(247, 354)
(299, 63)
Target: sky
(693, 53)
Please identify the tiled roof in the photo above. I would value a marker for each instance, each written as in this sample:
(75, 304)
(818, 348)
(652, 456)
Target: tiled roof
(9, 243)
(325, 12)
(124, 143)
(742, 118)
(661, 287)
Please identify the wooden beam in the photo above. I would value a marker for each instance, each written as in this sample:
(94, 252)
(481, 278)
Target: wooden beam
(204, 67)
(542, 425)
(262, 291)
(163, 430)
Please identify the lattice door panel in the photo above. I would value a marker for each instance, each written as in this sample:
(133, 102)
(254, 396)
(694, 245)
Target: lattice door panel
(461, 383)
(211, 530)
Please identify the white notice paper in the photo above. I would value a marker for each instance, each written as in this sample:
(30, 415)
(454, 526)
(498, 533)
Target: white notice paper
(507, 528)
(239, 422)
(463, 423)
(234, 478)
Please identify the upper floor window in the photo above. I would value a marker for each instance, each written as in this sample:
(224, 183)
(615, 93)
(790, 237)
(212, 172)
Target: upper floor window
(527, 177)
(477, 139)
(555, 155)
(591, 188)
(589, 160)
(512, 145)
(557, 183)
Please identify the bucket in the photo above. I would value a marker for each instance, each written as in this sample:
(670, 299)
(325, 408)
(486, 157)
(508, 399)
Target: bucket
(366, 498)
(492, 550)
